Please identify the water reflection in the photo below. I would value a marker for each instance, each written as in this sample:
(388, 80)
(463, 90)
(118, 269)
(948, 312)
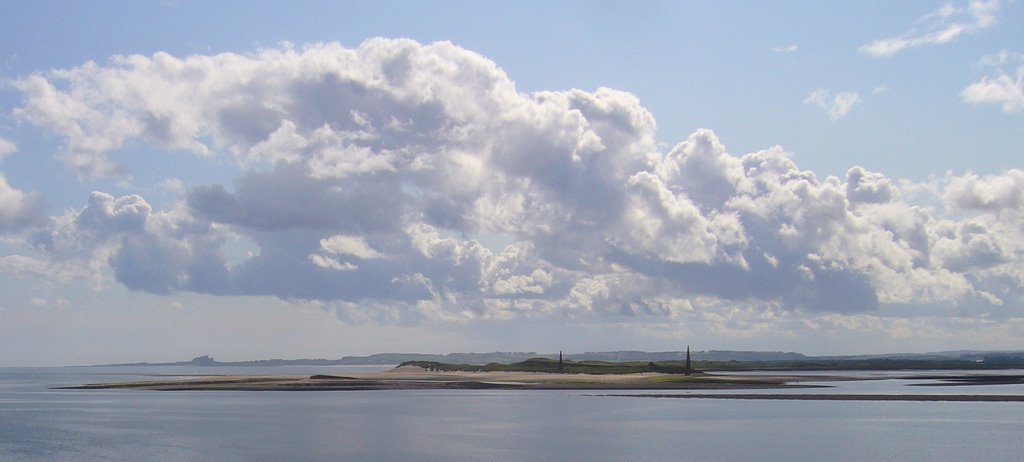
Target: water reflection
(38, 424)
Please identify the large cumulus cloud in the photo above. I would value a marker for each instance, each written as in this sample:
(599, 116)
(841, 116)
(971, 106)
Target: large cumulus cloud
(400, 180)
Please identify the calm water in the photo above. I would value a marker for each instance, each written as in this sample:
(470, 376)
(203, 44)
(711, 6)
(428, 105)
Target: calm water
(40, 424)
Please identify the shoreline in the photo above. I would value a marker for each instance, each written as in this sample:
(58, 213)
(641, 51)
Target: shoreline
(416, 378)
(831, 397)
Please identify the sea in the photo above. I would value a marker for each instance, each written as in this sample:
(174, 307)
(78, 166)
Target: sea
(41, 423)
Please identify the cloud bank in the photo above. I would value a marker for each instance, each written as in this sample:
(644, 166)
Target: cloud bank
(400, 182)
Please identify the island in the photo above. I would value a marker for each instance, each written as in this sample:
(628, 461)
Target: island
(533, 374)
(723, 375)
(638, 379)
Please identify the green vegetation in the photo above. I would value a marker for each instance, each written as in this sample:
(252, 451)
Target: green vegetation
(678, 367)
(552, 365)
(862, 364)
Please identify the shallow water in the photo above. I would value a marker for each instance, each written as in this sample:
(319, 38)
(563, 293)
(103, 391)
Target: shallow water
(37, 424)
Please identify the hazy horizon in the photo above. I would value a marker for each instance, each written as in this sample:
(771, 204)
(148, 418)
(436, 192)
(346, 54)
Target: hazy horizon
(335, 179)
(568, 354)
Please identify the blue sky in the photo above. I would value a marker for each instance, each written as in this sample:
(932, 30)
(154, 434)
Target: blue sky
(824, 177)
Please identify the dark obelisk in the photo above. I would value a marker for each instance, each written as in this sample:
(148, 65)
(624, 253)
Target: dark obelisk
(559, 360)
(689, 369)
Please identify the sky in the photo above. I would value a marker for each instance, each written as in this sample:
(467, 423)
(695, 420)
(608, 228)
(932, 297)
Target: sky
(321, 179)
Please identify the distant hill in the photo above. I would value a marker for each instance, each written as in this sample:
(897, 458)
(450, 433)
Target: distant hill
(454, 358)
(712, 355)
(380, 359)
(718, 357)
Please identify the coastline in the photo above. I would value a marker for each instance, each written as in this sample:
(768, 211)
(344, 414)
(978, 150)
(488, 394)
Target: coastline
(417, 378)
(739, 386)
(834, 397)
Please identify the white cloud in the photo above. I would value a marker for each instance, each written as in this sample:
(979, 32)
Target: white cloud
(1003, 88)
(864, 186)
(968, 245)
(172, 185)
(1000, 58)
(837, 106)
(941, 26)
(993, 193)
(18, 209)
(355, 246)
(786, 49)
(371, 176)
(328, 262)
(334, 247)
(7, 148)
